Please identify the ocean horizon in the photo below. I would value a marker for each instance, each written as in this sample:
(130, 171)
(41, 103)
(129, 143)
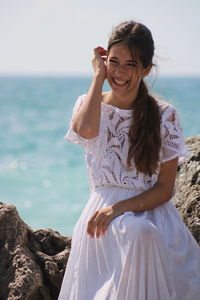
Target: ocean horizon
(40, 173)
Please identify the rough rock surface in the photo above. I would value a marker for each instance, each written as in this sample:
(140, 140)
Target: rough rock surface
(32, 263)
(187, 188)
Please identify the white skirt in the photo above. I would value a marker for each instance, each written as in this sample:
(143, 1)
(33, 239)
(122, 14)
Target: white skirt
(142, 256)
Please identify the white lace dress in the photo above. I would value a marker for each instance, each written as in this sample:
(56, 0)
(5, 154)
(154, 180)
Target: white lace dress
(142, 256)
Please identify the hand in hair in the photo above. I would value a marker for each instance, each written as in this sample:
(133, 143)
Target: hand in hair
(100, 55)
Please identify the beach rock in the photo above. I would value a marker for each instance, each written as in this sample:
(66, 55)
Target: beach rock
(187, 188)
(32, 262)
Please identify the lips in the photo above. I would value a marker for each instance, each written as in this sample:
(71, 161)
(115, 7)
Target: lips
(119, 82)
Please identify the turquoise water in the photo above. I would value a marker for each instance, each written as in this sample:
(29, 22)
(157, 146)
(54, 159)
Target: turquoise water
(40, 173)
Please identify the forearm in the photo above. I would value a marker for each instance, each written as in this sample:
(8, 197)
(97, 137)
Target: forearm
(147, 200)
(87, 119)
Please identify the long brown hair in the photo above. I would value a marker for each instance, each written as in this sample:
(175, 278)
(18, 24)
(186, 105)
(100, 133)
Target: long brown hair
(144, 133)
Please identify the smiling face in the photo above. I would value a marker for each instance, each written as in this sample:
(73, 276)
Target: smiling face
(124, 71)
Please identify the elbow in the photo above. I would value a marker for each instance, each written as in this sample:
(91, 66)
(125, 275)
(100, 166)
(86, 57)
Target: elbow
(165, 191)
(168, 195)
(84, 131)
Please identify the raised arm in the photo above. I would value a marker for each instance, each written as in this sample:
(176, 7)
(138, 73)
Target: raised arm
(87, 119)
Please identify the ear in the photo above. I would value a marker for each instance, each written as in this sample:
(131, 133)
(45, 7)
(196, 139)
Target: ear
(146, 71)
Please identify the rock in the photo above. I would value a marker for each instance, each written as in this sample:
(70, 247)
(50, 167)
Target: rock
(187, 188)
(32, 263)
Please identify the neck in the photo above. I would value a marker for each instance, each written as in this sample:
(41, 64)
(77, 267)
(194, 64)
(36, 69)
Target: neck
(121, 101)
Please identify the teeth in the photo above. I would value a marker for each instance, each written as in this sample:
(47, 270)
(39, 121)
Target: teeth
(120, 82)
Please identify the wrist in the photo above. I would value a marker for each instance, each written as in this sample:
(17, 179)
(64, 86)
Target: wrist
(118, 208)
(100, 77)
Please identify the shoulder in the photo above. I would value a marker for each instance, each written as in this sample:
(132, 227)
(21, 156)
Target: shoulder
(81, 98)
(169, 119)
(77, 104)
(79, 101)
(171, 127)
(167, 111)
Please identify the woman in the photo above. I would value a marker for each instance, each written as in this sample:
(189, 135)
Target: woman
(129, 242)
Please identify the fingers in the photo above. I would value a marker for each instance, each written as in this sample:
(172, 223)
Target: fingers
(100, 221)
(91, 227)
(98, 61)
(101, 227)
(101, 52)
(97, 225)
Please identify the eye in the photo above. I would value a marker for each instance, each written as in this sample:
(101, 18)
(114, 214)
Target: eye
(131, 65)
(113, 61)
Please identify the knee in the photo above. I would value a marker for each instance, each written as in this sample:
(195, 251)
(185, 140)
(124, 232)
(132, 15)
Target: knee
(133, 229)
(141, 229)
(145, 230)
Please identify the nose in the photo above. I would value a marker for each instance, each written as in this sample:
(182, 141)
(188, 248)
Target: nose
(119, 69)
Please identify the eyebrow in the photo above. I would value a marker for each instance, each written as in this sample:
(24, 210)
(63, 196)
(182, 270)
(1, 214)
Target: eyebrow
(129, 60)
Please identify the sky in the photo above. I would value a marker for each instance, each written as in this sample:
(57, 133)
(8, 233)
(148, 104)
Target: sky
(57, 37)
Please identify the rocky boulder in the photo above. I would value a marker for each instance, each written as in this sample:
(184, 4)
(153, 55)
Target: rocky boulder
(32, 263)
(187, 188)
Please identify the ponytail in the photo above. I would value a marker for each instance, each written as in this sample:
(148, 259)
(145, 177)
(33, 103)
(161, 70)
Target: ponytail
(144, 134)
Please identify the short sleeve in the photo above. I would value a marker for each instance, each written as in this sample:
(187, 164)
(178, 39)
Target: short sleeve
(173, 143)
(72, 136)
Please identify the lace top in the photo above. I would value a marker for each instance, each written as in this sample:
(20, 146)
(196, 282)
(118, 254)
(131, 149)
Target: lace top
(106, 154)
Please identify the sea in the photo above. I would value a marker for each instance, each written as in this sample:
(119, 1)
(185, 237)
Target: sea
(40, 173)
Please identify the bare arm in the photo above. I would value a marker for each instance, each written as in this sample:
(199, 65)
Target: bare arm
(87, 119)
(160, 193)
